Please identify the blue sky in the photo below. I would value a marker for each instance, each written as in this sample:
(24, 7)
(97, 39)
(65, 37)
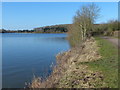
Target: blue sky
(29, 15)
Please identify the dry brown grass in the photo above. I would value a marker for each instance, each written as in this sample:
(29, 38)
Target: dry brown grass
(70, 73)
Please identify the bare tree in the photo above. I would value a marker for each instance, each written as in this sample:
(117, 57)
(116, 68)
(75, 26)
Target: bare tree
(85, 18)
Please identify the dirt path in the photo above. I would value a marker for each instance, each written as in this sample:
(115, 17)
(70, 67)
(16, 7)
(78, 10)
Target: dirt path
(113, 40)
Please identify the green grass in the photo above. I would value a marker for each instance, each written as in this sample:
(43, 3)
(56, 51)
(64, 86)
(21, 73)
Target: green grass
(108, 64)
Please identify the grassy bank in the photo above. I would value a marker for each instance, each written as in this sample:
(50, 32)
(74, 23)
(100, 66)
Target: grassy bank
(92, 65)
(70, 73)
(108, 64)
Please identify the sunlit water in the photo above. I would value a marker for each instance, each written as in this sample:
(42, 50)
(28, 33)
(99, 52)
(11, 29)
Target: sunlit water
(25, 55)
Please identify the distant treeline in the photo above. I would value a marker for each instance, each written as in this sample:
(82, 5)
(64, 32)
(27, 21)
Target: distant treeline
(52, 29)
(104, 28)
(46, 29)
(107, 28)
(16, 31)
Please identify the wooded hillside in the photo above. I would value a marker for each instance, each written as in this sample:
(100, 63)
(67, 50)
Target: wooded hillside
(52, 29)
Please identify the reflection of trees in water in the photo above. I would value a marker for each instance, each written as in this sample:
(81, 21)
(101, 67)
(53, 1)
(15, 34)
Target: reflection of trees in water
(52, 39)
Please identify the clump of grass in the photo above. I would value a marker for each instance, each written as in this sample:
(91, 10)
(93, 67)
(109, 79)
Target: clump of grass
(108, 64)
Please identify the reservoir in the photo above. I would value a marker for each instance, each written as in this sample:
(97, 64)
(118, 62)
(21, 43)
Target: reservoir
(25, 55)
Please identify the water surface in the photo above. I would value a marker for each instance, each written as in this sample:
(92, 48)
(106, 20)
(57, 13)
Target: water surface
(25, 55)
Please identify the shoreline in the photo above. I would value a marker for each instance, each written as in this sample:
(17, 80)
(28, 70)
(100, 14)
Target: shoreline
(70, 72)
